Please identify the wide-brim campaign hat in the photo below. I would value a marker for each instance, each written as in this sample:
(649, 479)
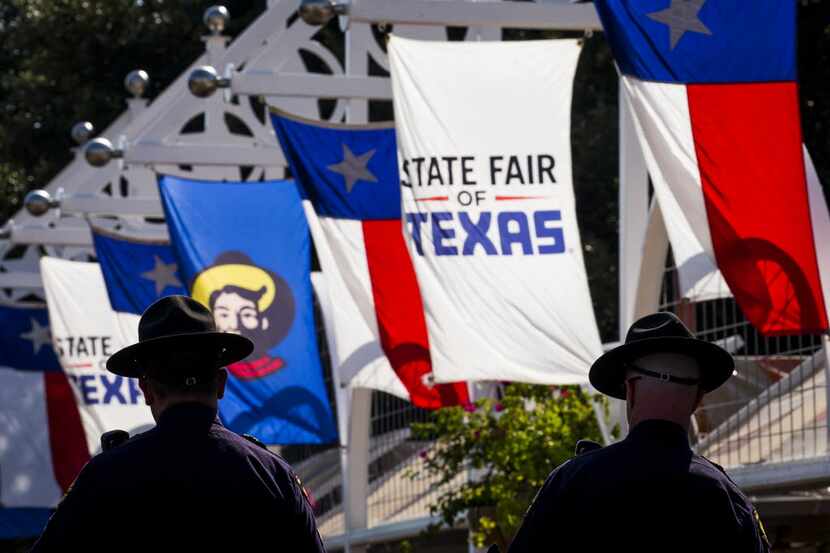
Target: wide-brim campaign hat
(178, 323)
(660, 333)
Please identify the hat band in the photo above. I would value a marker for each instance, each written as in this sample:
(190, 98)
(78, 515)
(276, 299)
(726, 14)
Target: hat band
(665, 377)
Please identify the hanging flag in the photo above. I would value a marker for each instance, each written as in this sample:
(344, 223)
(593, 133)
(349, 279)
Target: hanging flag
(137, 272)
(42, 444)
(350, 175)
(698, 277)
(85, 332)
(713, 90)
(244, 251)
(484, 147)
(343, 394)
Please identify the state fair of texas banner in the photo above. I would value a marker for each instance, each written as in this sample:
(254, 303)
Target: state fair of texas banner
(85, 332)
(488, 207)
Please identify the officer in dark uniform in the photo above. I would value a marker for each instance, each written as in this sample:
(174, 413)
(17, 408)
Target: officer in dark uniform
(189, 484)
(649, 492)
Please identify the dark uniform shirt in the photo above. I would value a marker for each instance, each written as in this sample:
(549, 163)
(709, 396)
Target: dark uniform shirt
(189, 484)
(649, 492)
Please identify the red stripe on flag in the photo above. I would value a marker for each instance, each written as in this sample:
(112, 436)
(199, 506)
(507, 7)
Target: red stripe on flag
(433, 199)
(508, 198)
(66, 433)
(400, 315)
(748, 143)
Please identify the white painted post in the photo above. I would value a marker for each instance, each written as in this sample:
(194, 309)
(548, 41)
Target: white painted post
(356, 488)
(825, 344)
(135, 107)
(356, 458)
(633, 198)
(633, 194)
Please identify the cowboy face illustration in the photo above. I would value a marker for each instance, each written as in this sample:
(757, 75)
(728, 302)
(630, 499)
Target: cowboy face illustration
(235, 309)
(248, 300)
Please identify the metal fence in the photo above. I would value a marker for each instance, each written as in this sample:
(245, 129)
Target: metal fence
(774, 408)
(394, 494)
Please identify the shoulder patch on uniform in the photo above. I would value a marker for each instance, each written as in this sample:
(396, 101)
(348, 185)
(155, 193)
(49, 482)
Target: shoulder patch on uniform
(586, 446)
(114, 438)
(255, 440)
(302, 489)
(761, 529)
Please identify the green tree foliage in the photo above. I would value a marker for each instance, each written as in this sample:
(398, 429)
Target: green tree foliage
(64, 61)
(509, 447)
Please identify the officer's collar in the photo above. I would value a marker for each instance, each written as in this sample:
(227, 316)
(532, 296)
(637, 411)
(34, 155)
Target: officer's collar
(661, 431)
(191, 415)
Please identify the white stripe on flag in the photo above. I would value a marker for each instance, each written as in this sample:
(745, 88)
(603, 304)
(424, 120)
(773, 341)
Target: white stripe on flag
(663, 124)
(361, 362)
(26, 475)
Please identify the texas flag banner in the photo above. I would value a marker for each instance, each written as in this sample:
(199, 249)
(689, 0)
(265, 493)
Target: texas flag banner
(245, 253)
(137, 272)
(484, 147)
(698, 277)
(42, 442)
(350, 175)
(85, 332)
(712, 86)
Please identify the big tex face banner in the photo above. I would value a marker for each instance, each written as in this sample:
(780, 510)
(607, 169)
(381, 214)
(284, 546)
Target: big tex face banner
(488, 208)
(244, 251)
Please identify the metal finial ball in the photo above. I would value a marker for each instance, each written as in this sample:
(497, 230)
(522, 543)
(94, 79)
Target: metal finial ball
(203, 81)
(38, 202)
(316, 12)
(136, 82)
(215, 18)
(81, 132)
(99, 152)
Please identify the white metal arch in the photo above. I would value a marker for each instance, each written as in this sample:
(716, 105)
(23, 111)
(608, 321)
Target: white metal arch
(266, 60)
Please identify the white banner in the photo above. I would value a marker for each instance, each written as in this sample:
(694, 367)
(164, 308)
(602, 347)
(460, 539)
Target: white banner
(85, 332)
(26, 475)
(485, 156)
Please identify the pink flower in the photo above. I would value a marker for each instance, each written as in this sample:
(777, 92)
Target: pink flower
(470, 407)
(423, 454)
(564, 393)
(476, 434)
(498, 407)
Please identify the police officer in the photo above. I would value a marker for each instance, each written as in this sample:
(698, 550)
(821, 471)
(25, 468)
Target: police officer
(188, 484)
(649, 492)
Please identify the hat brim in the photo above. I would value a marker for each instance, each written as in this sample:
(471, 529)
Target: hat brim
(607, 374)
(229, 348)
